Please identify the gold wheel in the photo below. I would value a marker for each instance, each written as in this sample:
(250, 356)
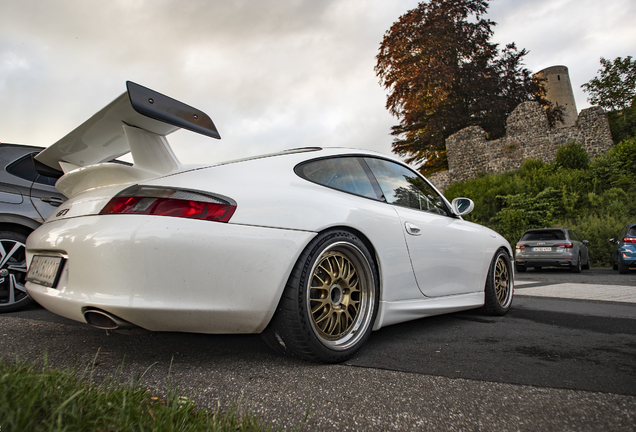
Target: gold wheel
(340, 296)
(502, 281)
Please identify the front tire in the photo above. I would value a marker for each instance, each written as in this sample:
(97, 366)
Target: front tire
(330, 301)
(13, 295)
(499, 285)
(577, 268)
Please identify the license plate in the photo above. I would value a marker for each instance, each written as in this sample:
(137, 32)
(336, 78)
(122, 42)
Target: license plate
(45, 270)
(542, 249)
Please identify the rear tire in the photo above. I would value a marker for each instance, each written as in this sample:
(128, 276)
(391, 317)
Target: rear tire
(623, 268)
(330, 301)
(520, 269)
(499, 286)
(13, 295)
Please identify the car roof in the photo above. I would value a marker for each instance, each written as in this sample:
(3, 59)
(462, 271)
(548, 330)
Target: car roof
(312, 153)
(25, 148)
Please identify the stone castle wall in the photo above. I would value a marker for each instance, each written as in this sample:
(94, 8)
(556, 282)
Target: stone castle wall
(528, 136)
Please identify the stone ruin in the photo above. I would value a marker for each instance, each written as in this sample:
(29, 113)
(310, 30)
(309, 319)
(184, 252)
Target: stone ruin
(528, 136)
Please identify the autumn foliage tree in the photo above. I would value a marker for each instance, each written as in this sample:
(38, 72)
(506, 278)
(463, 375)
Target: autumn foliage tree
(443, 74)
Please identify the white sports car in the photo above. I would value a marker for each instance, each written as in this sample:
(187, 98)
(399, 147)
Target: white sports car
(313, 248)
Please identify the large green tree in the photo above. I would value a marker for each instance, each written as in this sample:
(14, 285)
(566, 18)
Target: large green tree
(443, 74)
(615, 88)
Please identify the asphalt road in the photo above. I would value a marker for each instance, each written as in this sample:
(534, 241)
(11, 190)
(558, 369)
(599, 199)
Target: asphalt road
(550, 364)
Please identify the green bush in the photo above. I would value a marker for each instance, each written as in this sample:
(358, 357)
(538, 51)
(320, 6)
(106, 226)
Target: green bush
(572, 156)
(591, 197)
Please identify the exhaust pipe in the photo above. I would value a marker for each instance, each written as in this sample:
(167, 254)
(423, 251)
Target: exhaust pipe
(106, 321)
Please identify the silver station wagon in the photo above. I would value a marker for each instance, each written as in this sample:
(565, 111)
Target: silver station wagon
(551, 247)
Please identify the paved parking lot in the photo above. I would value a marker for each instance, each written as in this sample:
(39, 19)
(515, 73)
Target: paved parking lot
(550, 364)
(596, 284)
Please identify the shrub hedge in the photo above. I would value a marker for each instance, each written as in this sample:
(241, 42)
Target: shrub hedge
(594, 198)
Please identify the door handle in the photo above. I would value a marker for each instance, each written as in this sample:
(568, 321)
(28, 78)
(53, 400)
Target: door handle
(54, 201)
(412, 229)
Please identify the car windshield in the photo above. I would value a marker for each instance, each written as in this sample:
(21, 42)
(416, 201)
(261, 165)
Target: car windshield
(544, 235)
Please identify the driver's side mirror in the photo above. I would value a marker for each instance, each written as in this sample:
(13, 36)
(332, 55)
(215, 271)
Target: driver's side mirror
(462, 206)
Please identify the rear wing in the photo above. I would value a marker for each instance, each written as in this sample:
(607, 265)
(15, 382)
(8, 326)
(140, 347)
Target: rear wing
(135, 122)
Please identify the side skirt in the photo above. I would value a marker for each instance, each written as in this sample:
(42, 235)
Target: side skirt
(407, 310)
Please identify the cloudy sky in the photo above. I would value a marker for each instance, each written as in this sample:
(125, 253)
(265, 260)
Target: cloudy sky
(272, 74)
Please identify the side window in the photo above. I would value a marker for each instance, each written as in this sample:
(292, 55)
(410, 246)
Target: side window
(343, 173)
(23, 168)
(403, 187)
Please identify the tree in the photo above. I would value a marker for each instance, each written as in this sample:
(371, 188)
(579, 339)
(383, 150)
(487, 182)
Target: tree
(443, 75)
(615, 89)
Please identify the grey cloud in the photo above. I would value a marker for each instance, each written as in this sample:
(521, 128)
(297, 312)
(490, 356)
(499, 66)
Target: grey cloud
(273, 74)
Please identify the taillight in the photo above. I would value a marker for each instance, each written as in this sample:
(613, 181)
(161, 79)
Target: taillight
(563, 245)
(160, 201)
(629, 240)
(520, 246)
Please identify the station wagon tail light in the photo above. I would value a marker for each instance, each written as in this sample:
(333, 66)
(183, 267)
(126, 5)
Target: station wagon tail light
(629, 240)
(564, 245)
(520, 246)
(159, 201)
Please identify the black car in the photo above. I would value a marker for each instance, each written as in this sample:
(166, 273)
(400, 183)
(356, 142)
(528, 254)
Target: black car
(27, 198)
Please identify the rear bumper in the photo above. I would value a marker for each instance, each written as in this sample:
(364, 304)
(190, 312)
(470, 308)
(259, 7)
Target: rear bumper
(188, 275)
(627, 262)
(627, 256)
(545, 262)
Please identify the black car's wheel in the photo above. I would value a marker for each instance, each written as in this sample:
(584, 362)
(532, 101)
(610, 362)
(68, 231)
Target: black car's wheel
(623, 268)
(499, 286)
(520, 268)
(330, 301)
(13, 295)
(577, 268)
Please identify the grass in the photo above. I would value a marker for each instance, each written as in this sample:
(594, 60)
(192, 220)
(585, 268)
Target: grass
(39, 398)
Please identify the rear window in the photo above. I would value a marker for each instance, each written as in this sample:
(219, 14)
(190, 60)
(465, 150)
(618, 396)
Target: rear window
(544, 235)
(632, 231)
(342, 173)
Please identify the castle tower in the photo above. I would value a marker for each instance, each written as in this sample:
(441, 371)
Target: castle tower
(559, 92)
